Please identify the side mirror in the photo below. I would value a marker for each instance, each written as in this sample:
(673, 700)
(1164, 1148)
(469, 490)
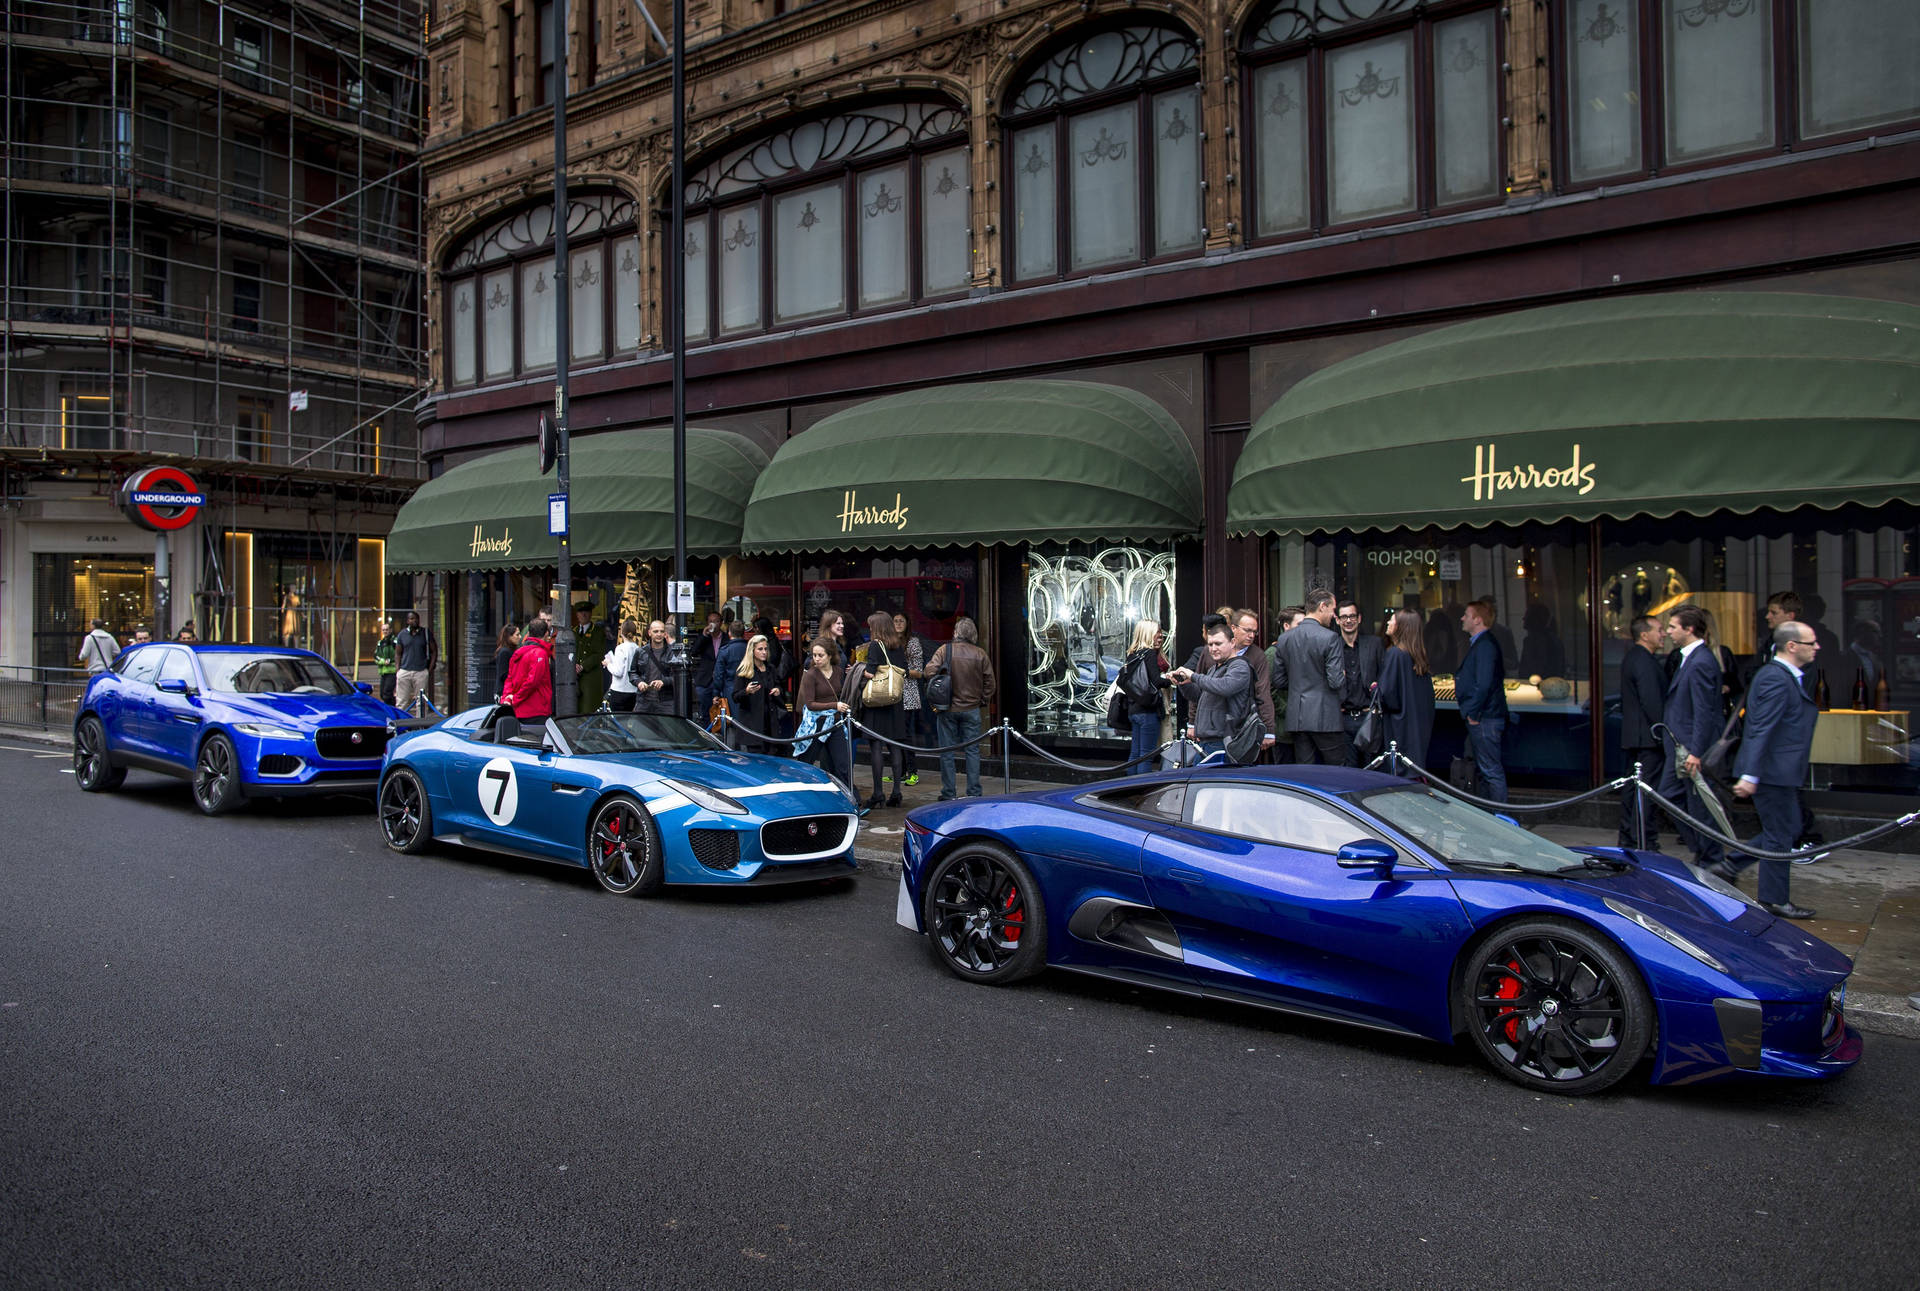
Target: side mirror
(364, 687)
(174, 686)
(1367, 854)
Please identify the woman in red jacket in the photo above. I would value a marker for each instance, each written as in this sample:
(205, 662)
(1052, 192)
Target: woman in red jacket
(529, 688)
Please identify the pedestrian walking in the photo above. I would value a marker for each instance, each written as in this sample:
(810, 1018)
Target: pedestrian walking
(419, 652)
(757, 699)
(1643, 698)
(820, 703)
(621, 691)
(651, 672)
(1143, 676)
(1480, 689)
(1308, 665)
(973, 689)
(1693, 718)
(1406, 688)
(1221, 696)
(98, 648)
(1774, 753)
(529, 688)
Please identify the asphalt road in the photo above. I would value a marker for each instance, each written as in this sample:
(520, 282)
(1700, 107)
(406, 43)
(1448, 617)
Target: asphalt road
(263, 1051)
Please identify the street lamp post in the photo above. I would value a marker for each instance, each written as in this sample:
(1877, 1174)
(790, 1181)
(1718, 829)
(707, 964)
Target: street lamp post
(566, 689)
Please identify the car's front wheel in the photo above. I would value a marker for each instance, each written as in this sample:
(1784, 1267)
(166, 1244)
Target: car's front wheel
(623, 849)
(985, 916)
(1556, 1007)
(216, 776)
(405, 818)
(92, 768)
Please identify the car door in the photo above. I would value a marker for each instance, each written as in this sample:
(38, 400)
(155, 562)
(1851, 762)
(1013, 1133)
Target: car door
(1250, 880)
(176, 717)
(126, 715)
(500, 795)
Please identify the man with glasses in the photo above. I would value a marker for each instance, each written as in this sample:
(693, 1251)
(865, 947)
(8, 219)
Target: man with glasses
(1361, 655)
(1774, 753)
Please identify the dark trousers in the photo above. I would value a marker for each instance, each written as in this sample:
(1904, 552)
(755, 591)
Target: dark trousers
(834, 755)
(1329, 748)
(389, 683)
(1639, 822)
(1484, 740)
(621, 701)
(879, 751)
(1779, 808)
(1680, 791)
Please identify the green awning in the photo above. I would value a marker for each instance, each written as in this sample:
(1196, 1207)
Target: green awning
(992, 462)
(1625, 406)
(491, 513)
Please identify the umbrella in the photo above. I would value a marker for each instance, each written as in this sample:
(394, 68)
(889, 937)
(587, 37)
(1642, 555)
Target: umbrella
(1708, 791)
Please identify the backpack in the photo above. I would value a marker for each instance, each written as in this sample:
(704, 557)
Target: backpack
(939, 682)
(1136, 680)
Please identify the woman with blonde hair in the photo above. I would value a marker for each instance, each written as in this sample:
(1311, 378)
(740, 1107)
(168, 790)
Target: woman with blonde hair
(756, 698)
(621, 692)
(1145, 668)
(1405, 690)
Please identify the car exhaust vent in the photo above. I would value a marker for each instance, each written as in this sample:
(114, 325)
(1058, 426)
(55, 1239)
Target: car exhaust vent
(279, 764)
(717, 849)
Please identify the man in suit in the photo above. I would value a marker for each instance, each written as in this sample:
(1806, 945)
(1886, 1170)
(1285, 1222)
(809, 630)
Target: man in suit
(1773, 761)
(1480, 688)
(1643, 698)
(1307, 665)
(1693, 717)
(1361, 654)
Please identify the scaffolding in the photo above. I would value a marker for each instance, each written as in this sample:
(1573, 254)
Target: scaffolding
(213, 238)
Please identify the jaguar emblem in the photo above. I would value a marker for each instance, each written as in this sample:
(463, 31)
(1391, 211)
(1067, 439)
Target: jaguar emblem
(354, 738)
(813, 829)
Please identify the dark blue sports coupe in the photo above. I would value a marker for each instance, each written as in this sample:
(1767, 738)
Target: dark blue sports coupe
(236, 721)
(1363, 898)
(637, 798)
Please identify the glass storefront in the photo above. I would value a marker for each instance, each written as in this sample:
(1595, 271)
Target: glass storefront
(1536, 577)
(1082, 603)
(313, 592)
(1856, 572)
(72, 590)
(932, 588)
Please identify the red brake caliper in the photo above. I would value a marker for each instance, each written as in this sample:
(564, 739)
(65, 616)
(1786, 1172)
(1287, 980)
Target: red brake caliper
(1508, 988)
(613, 827)
(1015, 921)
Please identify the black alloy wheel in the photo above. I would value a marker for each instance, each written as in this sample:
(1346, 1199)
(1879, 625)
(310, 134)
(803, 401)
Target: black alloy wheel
(92, 768)
(1556, 1007)
(216, 776)
(405, 818)
(623, 849)
(985, 916)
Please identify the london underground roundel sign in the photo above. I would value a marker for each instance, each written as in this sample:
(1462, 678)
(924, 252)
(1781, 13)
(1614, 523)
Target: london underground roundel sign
(161, 498)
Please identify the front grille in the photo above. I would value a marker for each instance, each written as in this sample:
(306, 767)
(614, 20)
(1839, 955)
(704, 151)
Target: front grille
(717, 849)
(338, 742)
(803, 836)
(279, 764)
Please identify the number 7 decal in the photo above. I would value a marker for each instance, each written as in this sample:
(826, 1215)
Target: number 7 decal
(499, 791)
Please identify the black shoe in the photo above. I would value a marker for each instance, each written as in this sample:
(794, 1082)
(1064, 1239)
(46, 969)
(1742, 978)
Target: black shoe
(1787, 910)
(1724, 870)
(874, 801)
(893, 800)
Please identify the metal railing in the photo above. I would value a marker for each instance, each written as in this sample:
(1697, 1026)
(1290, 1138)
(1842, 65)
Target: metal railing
(42, 698)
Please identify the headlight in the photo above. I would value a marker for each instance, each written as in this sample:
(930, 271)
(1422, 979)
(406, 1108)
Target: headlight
(262, 731)
(705, 798)
(1663, 932)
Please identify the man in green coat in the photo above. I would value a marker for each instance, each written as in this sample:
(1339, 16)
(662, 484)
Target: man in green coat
(590, 645)
(386, 660)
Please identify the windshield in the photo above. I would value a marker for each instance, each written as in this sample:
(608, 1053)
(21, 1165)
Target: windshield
(1464, 835)
(633, 733)
(245, 672)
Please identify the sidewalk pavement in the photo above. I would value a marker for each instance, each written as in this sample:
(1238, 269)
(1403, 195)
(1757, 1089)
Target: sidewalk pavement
(1868, 903)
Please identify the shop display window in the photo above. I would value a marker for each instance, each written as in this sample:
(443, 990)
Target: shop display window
(1082, 604)
(932, 588)
(70, 591)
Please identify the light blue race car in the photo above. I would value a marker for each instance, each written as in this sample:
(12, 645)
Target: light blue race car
(639, 799)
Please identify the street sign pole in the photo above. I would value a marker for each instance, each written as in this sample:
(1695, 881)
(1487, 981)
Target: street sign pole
(677, 320)
(566, 687)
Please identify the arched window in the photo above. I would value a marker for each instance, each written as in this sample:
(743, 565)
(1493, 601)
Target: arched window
(860, 211)
(1102, 163)
(498, 291)
(1362, 111)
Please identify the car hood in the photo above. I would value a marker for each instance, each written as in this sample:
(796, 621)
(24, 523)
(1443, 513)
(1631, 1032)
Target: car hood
(1660, 882)
(310, 712)
(720, 770)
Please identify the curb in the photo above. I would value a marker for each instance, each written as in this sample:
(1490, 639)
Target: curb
(1883, 1015)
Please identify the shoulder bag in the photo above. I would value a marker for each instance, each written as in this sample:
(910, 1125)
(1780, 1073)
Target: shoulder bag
(1371, 735)
(885, 681)
(939, 680)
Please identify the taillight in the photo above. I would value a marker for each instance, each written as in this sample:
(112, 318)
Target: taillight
(917, 829)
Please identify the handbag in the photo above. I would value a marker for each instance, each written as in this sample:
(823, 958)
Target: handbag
(884, 687)
(1119, 710)
(1243, 745)
(1371, 734)
(1463, 774)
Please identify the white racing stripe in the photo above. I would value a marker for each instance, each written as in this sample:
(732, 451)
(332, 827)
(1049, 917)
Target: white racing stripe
(789, 786)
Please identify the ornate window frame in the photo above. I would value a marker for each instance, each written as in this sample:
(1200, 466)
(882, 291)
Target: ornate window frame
(1080, 76)
(1312, 35)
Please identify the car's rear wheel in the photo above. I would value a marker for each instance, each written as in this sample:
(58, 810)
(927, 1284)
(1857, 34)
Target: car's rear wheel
(216, 776)
(1556, 1007)
(91, 766)
(623, 849)
(985, 916)
(405, 818)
